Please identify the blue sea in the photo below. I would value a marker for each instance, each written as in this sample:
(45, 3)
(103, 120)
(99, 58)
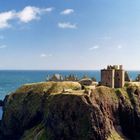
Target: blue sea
(10, 80)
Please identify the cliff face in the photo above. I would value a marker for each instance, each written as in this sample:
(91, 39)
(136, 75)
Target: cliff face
(48, 111)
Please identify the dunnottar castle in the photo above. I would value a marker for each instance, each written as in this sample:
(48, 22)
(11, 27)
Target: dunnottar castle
(113, 76)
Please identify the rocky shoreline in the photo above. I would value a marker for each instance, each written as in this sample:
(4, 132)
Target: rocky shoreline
(52, 110)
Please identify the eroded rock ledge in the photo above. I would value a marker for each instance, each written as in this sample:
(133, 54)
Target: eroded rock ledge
(52, 110)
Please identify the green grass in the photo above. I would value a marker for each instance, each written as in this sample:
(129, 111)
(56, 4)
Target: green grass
(48, 87)
(36, 133)
(114, 135)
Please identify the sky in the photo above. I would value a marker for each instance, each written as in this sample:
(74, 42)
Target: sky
(69, 34)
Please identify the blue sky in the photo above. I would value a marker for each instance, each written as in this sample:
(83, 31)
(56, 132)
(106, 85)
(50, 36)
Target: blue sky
(69, 34)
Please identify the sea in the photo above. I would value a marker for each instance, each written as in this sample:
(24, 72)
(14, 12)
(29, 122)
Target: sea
(10, 80)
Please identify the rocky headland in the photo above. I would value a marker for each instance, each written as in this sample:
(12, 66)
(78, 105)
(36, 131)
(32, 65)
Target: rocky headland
(67, 111)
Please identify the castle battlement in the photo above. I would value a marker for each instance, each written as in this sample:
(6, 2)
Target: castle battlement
(116, 67)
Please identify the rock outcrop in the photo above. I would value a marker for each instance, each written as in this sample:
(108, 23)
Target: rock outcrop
(45, 111)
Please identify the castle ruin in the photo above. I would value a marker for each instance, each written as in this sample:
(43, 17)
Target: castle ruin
(113, 76)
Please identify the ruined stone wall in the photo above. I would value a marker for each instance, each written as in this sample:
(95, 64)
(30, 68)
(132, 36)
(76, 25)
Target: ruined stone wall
(119, 78)
(107, 77)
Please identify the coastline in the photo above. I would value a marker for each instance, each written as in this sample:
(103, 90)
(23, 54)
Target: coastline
(11, 80)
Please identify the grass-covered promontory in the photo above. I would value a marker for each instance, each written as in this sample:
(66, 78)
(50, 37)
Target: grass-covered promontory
(61, 110)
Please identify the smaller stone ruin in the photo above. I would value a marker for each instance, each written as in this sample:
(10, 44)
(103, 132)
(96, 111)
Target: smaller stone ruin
(71, 78)
(55, 77)
(58, 77)
(85, 80)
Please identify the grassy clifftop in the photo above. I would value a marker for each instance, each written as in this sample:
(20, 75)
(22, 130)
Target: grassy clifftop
(52, 110)
(48, 87)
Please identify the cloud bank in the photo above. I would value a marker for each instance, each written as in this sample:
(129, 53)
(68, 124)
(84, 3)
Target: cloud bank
(26, 15)
(67, 12)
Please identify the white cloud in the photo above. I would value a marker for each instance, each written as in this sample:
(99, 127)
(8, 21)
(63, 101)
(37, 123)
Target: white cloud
(5, 17)
(50, 9)
(119, 46)
(45, 55)
(94, 47)
(26, 15)
(67, 25)
(30, 13)
(67, 12)
(3, 46)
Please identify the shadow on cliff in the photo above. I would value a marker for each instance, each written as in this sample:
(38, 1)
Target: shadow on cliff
(129, 113)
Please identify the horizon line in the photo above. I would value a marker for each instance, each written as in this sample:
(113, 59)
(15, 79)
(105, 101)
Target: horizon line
(60, 69)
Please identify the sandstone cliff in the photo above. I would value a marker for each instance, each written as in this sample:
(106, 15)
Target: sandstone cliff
(62, 111)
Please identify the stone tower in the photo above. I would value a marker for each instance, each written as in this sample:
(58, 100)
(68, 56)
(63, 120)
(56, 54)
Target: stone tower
(113, 76)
